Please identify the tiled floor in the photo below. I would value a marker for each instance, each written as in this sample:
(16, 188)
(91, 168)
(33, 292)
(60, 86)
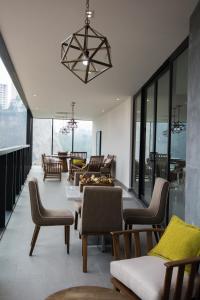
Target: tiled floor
(50, 268)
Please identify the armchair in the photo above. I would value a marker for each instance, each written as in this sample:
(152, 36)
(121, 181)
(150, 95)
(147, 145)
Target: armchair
(106, 167)
(76, 163)
(151, 277)
(52, 167)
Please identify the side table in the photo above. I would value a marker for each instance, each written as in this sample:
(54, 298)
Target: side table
(87, 293)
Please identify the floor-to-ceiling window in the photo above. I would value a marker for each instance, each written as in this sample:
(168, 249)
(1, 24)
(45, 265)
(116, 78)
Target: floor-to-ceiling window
(163, 134)
(162, 127)
(178, 136)
(42, 139)
(48, 138)
(61, 142)
(149, 143)
(83, 137)
(136, 136)
(13, 113)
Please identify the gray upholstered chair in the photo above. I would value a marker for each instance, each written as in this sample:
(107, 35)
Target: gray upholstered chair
(101, 214)
(46, 217)
(155, 213)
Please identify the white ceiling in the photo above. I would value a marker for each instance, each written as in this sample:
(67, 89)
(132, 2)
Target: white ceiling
(142, 34)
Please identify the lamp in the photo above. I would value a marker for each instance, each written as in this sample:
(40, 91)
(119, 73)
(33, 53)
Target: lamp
(177, 126)
(64, 130)
(86, 53)
(72, 124)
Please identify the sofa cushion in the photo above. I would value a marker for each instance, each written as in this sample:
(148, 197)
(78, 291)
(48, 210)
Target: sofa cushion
(144, 276)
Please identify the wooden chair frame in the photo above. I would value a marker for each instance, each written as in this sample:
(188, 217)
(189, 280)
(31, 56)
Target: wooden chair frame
(136, 235)
(52, 169)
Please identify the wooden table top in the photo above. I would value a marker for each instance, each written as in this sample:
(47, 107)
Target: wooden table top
(87, 293)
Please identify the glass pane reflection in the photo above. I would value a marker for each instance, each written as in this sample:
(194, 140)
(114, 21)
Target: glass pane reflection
(178, 137)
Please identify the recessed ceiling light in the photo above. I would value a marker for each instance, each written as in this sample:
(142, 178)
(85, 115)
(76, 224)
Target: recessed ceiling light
(103, 111)
(34, 95)
(117, 99)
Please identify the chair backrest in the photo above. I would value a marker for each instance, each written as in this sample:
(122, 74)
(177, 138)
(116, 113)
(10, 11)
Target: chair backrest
(96, 161)
(159, 199)
(37, 209)
(78, 155)
(102, 209)
(108, 161)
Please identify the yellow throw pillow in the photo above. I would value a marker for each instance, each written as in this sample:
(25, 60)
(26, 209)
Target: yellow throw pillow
(78, 162)
(179, 241)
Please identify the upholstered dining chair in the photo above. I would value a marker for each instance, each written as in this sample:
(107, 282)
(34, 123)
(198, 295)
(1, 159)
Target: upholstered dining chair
(153, 215)
(46, 217)
(101, 214)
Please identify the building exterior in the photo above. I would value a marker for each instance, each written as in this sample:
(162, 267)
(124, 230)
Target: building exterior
(3, 96)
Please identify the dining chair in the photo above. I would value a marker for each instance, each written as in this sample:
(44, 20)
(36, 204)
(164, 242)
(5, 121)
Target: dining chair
(154, 214)
(47, 217)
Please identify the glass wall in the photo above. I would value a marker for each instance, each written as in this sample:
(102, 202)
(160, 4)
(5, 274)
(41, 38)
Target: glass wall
(13, 113)
(178, 136)
(83, 137)
(48, 139)
(42, 139)
(149, 144)
(163, 135)
(162, 126)
(61, 142)
(136, 150)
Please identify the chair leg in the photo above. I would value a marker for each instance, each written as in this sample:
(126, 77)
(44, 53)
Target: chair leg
(34, 238)
(67, 237)
(84, 245)
(76, 220)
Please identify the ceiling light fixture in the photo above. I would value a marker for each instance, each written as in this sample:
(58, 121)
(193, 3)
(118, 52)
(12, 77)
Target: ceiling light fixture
(177, 126)
(86, 53)
(71, 124)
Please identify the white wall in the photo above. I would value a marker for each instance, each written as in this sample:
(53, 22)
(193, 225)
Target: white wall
(116, 138)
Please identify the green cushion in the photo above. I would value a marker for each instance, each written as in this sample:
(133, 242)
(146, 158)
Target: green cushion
(179, 241)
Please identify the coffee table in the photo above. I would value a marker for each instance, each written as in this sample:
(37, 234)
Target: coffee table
(87, 293)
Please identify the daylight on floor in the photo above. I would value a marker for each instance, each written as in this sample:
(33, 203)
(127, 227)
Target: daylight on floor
(99, 150)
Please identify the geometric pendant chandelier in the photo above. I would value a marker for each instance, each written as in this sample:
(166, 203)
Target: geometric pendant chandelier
(86, 53)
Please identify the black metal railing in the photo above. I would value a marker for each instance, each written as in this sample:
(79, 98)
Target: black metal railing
(15, 164)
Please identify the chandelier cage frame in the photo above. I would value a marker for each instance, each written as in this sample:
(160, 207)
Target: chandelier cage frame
(86, 53)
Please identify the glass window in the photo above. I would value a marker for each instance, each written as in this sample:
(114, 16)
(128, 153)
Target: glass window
(149, 144)
(42, 138)
(178, 136)
(83, 137)
(136, 150)
(162, 127)
(61, 142)
(13, 114)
